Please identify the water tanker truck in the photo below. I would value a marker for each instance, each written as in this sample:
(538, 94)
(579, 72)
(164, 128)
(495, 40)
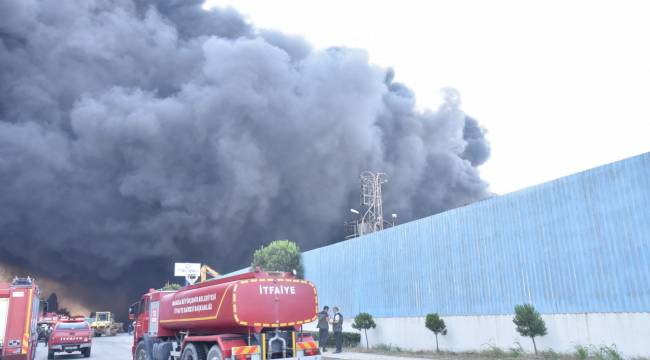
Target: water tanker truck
(256, 316)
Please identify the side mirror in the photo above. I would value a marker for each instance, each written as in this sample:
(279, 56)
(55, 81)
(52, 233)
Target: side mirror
(131, 316)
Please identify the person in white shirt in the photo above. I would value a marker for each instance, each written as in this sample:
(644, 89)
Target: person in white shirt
(337, 326)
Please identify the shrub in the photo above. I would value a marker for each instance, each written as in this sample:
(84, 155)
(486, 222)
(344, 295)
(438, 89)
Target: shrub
(529, 322)
(582, 352)
(550, 354)
(605, 352)
(517, 350)
(494, 351)
(279, 255)
(364, 321)
(349, 339)
(387, 348)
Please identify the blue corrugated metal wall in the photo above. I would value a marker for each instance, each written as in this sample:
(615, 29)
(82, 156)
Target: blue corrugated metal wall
(576, 244)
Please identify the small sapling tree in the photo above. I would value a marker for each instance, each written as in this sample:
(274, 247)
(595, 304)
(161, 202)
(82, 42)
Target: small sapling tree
(529, 322)
(434, 323)
(364, 321)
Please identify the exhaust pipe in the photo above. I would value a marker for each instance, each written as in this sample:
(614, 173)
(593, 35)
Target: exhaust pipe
(277, 337)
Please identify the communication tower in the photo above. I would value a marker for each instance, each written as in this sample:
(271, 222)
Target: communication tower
(372, 213)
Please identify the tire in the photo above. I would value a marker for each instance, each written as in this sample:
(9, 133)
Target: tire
(215, 353)
(162, 350)
(50, 354)
(141, 352)
(86, 352)
(193, 352)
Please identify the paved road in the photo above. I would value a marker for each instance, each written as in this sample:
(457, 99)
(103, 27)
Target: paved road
(103, 348)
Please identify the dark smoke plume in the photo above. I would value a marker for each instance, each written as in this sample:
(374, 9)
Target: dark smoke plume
(136, 134)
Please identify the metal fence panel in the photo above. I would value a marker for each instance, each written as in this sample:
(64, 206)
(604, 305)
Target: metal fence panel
(572, 245)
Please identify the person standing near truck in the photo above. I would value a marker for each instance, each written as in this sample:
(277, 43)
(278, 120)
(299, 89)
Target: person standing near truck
(337, 326)
(323, 327)
(48, 333)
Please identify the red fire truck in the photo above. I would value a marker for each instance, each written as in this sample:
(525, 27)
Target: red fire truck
(19, 304)
(257, 316)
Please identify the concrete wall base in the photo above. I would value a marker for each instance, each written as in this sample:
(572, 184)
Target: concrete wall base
(629, 332)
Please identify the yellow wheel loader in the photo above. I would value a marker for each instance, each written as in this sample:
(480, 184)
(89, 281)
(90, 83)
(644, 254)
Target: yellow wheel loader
(103, 324)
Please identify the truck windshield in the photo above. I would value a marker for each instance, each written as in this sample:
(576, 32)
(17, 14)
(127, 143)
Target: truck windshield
(72, 326)
(102, 317)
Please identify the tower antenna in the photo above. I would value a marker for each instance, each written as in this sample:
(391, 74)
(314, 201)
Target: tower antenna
(372, 212)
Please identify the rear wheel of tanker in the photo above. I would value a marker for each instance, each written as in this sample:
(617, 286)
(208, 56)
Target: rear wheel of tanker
(215, 353)
(193, 352)
(141, 352)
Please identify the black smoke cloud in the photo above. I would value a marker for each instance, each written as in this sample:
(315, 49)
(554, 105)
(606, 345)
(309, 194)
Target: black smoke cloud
(136, 134)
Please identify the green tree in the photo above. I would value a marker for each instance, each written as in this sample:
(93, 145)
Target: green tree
(364, 321)
(529, 322)
(279, 255)
(171, 286)
(434, 323)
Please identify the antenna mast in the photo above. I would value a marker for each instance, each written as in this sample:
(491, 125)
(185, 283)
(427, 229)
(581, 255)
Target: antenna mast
(372, 213)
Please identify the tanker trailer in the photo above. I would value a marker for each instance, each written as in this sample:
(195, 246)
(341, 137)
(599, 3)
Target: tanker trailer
(256, 316)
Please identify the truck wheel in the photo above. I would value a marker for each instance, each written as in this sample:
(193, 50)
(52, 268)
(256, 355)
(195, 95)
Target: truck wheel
(193, 352)
(215, 353)
(141, 352)
(87, 352)
(50, 354)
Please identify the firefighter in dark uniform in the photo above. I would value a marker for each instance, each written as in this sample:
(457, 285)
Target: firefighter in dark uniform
(323, 327)
(337, 326)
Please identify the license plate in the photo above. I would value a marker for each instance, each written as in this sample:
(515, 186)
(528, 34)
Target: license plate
(70, 347)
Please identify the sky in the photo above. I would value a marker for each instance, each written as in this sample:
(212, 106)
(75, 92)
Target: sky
(561, 86)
